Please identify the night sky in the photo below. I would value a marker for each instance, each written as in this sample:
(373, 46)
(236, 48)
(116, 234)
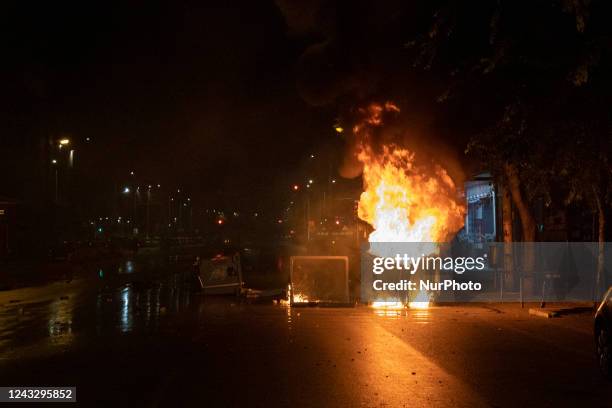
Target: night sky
(228, 101)
(193, 96)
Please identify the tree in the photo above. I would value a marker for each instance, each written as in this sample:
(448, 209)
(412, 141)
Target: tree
(584, 164)
(529, 68)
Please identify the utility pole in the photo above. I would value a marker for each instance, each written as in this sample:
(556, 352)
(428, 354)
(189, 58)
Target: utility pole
(148, 214)
(307, 216)
(56, 186)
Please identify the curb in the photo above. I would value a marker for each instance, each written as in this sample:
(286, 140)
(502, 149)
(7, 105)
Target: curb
(558, 311)
(543, 313)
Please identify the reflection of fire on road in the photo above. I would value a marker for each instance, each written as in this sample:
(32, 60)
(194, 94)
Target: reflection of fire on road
(403, 200)
(388, 305)
(421, 301)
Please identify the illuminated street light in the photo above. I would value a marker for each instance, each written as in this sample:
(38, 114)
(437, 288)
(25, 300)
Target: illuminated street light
(126, 190)
(338, 129)
(310, 181)
(131, 173)
(296, 187)
(64, 142)
(54, 161)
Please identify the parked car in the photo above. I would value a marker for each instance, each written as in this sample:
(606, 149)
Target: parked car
(603, 334)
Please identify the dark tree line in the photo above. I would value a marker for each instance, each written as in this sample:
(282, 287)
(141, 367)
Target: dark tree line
(543, 68)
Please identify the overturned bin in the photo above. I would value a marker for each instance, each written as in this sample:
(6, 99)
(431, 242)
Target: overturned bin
(319, 281)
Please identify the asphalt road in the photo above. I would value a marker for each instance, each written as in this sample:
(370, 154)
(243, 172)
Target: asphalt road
(161, 344)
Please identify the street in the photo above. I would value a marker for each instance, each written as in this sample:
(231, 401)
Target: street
(315, 203)
(162, 344)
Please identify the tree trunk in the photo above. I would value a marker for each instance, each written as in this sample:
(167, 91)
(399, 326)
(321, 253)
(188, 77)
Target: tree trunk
(507, 231)
(529, 229)
(601, 238)
(527, 220)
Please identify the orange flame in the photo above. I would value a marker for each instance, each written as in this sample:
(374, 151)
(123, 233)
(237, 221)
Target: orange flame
(402, 200)
(405, 202)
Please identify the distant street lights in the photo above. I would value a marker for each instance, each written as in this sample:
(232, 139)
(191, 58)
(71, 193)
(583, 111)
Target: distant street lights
(61, 159)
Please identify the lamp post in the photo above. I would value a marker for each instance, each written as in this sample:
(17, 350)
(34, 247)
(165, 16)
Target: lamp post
(56, 181)
(148, 216)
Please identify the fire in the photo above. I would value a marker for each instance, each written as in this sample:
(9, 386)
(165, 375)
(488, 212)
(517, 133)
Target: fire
(295, 297)
(404, 200)
(299, 298)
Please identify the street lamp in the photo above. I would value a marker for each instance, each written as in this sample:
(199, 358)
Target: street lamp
(126, 190)
(56, 180)
(64, 142)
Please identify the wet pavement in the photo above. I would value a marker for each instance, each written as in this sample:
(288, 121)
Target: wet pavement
(156, 342)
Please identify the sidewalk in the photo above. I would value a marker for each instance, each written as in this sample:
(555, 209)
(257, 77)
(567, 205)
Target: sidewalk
(561, 309)
(28, 273)
(50, 291)
(551, 309)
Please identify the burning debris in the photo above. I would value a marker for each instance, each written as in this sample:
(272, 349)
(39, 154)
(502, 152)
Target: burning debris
(405, 202)
(404, 199)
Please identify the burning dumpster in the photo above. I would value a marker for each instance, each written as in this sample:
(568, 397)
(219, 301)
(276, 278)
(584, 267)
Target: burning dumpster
(319, 280)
